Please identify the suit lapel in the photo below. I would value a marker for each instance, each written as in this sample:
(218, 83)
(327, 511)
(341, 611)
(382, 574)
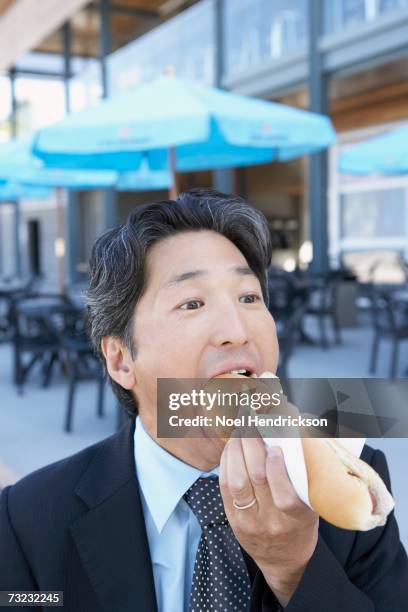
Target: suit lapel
(111, 537)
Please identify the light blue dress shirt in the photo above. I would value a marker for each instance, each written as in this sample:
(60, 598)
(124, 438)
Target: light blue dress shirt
(173, 532)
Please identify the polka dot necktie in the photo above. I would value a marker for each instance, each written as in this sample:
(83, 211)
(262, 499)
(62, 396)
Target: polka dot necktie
(221, 580)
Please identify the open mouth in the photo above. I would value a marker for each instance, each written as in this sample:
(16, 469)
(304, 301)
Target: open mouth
(247, 368)
(241, 372)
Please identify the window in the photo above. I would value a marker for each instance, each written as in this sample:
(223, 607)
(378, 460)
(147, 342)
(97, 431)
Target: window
(373, 214)
(367, 213)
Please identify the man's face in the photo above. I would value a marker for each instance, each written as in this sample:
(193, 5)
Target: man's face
(202, 314)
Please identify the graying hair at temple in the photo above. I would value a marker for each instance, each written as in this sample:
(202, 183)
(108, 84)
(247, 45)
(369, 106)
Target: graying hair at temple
(118, 259)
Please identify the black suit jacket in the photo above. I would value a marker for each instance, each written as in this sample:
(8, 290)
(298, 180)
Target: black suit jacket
(77, 526)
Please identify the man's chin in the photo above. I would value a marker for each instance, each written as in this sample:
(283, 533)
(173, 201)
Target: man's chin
(214, 440)
(214, 450)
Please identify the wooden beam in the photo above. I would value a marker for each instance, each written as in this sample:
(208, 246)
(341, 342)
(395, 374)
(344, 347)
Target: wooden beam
(26, 23)
(382, 105)
(368, 98)
(127, 11)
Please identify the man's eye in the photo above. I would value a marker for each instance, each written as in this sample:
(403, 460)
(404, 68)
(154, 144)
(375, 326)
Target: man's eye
(191, 305)
(252, 298)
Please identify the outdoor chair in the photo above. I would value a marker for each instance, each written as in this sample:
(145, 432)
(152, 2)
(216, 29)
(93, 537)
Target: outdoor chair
(389, 322)
(281, 293)
(34, 341)
(80, 361)
(9, 293)
(322, 304)
(5, 327)
(287, 309)
(288, 331)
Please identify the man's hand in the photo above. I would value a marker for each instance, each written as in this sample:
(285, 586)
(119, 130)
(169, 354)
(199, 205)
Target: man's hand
(279, 531)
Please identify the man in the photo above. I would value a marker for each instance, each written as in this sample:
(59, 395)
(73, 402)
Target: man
(140, 523)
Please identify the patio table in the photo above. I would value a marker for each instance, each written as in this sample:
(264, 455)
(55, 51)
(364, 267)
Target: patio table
(42, 307)
(8, 289)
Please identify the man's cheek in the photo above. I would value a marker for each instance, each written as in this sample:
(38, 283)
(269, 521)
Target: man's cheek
(266, 326)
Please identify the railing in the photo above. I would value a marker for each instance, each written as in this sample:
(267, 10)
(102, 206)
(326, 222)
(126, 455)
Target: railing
(343, 14)
(186, 44)
(259, 31)
(255, 33)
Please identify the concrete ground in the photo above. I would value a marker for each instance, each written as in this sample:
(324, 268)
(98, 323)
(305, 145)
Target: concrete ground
(31, 426)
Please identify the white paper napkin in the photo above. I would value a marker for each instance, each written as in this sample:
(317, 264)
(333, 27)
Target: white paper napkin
(295, 461)
(294, 458)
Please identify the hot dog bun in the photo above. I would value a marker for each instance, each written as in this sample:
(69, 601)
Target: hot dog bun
(343, 489)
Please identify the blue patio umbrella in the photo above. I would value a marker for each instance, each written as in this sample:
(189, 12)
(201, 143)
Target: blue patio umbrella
(11, 192)
(23, 176)
(181, 126)
(386, 154)
(143, 180)
(18, 165)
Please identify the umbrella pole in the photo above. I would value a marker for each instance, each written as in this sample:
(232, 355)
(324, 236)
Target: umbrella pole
(174, 190)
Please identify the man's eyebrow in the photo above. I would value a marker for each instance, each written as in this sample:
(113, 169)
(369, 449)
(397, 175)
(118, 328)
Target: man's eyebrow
(179, 278)
(184, 276)
(244, 270)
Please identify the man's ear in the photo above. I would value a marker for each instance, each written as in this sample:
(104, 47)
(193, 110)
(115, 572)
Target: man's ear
(119, 362)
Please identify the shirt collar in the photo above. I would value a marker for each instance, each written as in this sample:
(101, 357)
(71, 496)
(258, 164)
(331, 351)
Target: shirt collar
(163, 478)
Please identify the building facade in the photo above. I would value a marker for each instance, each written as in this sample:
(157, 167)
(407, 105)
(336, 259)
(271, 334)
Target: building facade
(348, 58)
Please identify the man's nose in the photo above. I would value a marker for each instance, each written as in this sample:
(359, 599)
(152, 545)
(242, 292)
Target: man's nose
(229, 326)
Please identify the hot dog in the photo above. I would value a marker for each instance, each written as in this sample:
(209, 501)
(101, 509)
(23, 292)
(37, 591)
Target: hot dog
(343, 489)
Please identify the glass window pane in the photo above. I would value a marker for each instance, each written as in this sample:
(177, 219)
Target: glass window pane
(85, 86)
(373, 214)
(342, 14)
(185, 43)
(386, 6)
(260, 31)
